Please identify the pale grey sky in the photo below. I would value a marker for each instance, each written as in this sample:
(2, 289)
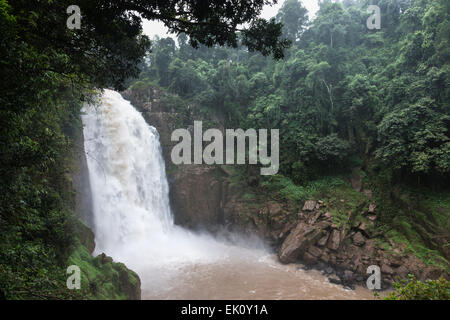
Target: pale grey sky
(152, 28)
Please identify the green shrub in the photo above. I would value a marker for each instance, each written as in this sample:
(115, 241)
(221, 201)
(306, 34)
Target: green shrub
(413, 289)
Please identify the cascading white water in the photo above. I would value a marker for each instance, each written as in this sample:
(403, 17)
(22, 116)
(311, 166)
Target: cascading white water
(127, 174)
(134, 225)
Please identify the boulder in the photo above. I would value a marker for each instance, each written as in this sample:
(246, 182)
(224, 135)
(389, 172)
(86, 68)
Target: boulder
(386, 269)
(358, 239)
(364, 229)
(348, 276)
(316, 252)
(309, 259)
(313, 216)
(309, 205)
(275, 208)
(328, 270)
(334, 279)
(372, 208)
(298, 241)
(335, 240)
(323, 241)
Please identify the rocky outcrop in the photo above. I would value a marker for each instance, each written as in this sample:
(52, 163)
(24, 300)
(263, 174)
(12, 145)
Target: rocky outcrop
(300, 239)
(196, 196)
(344, 254)
(80, 182)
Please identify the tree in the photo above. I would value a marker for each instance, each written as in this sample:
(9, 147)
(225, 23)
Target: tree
(294, 18)
(210, 22)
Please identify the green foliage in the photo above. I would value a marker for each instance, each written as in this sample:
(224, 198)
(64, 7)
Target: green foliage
(283, 188)
(413, 289)
(101, 278)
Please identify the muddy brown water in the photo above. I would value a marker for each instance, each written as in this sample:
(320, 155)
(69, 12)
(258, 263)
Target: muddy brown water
(260, 277)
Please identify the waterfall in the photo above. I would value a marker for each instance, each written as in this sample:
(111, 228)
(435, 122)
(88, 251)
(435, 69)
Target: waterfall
(127, 174)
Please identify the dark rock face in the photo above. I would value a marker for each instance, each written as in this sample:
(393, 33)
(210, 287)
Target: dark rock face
(309, 205)
(196, 196)
(87, 237)
(132, 290)
(358, 239)
(81, 184)
(334, 240)
(297, 242)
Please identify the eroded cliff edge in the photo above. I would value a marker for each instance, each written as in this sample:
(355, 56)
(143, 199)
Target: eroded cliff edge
(336, 233)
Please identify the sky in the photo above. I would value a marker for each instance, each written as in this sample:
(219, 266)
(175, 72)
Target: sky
(152, 28)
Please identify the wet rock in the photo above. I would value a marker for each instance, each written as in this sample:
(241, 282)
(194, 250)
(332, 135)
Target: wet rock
(328, 270)
(323, 241)
(349, 286)
(321, 266)
(358, 239)
(334, 279)
(298, 241)
(309, 259)
(348, 276)
(286, 230)
(309, 205)
(364, 229)
(312, 218)
(402, 271)
(386, 269)
(131, 289)
(334, 240)
(316, 252)
(325, 257)
(395, 261)
(430, 273)
(323, 224)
